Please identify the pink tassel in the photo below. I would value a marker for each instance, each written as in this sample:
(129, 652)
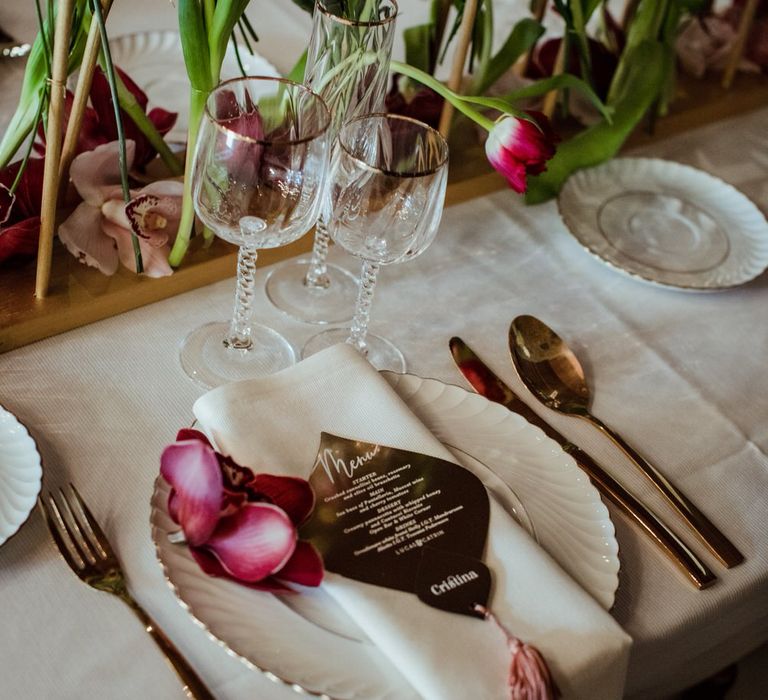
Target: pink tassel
(529, 676)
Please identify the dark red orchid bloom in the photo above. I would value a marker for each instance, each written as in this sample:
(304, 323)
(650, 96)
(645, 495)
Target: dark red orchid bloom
(239, 525)
(99, 126)
(422, 103)
(20, 211)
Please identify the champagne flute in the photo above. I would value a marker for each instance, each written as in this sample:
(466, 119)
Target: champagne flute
(348, 66)
(388, 178)
(259, 176)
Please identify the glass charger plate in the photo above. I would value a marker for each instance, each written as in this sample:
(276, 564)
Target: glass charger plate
(281, 635)
(155, 62)
(666, 223)
(21, 473)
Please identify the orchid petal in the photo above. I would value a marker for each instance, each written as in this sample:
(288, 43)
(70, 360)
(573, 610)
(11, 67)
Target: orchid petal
(96, 173)
(7, 200)
(192, 469)
(305, 566)
(212, 566)
(20, 240)
(236, 477)
(255, 542)
(192, 434)
(291, 494)
(29, 193)
(84, 237)
(155, 211)
(155, 259)
(162, 119)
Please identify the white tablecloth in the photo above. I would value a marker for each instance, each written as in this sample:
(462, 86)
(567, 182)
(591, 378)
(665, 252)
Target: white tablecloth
(682, 375)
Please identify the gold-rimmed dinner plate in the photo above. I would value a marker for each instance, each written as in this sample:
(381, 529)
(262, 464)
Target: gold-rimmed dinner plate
(569, 519)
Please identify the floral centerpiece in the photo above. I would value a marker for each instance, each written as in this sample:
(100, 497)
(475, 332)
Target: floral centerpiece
(610, 73)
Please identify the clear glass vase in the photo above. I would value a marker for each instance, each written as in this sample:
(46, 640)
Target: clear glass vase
(348, 66)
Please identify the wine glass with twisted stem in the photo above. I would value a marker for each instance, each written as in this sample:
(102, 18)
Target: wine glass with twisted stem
(388, 178)
(259, 175)
(348, 65)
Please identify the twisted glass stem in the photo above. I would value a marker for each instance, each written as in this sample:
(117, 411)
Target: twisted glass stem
(317, 274)
(359, 328)
(239, 336)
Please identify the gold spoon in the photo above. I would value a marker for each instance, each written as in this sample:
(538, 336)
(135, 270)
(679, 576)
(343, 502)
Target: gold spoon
(555, 377)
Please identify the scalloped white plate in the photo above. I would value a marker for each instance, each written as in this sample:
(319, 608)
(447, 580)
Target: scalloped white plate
(156, 63)
(283, 638)
(666, 223)
(21, 474)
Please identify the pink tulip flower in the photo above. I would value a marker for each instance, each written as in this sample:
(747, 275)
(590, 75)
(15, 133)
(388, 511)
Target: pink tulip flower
(519, 147)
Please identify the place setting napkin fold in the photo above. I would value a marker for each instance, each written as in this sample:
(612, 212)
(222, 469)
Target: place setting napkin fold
(273, 425)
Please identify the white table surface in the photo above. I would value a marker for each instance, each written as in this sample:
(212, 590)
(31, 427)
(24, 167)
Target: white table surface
(681, 375)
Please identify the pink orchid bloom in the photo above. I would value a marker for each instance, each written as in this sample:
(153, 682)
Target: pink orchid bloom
(238, 524)
(99, 231)
(519, 147)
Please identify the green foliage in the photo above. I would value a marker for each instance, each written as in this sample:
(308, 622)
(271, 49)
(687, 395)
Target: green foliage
(205, 27)
(556, 82)
(418, 41)
(637, 92)
(34, 86)
(522, 37)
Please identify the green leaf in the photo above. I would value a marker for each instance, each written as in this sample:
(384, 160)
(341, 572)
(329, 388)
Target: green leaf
(194, 43)
(33, 86)
(226, 15)
(417, 43)
(522, 37)
(297, 72)
(602, 141)
(559, 82)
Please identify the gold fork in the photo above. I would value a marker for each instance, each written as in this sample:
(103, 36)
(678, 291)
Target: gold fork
(85, 548)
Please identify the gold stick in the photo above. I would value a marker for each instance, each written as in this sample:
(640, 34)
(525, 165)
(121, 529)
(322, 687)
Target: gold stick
(538, 14)
(53, 147)
(82, 91)
(459, 59)
(745, 25)
(550, 99)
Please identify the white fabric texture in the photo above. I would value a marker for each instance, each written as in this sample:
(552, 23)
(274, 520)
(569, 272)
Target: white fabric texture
(275, 423)
(681, 375)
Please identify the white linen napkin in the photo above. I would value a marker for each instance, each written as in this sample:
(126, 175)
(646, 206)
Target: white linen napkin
(274, 424)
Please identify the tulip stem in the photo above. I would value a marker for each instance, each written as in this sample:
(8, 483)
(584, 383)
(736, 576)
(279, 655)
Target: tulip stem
(197, 100)
(443, 91)
(133, 109)
(122, 158)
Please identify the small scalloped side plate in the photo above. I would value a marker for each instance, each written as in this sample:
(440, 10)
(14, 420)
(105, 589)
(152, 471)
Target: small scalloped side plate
(666, 223)
(21, 474)
(282, 641)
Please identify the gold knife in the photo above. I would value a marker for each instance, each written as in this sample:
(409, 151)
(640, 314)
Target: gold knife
(489, 385)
